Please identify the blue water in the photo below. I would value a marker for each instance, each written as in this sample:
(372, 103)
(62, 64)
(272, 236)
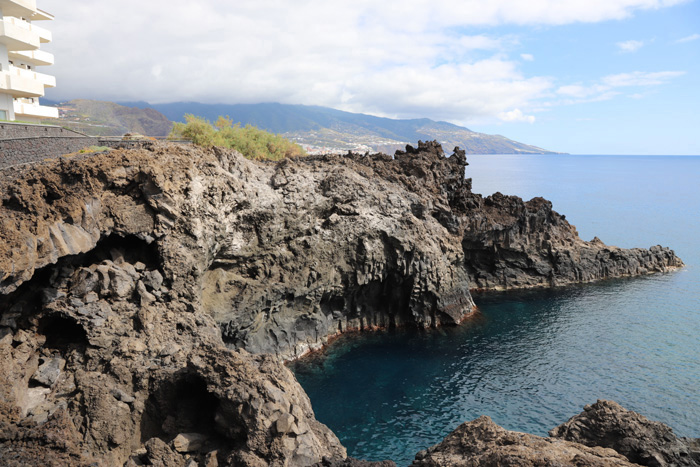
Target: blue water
(531, 360)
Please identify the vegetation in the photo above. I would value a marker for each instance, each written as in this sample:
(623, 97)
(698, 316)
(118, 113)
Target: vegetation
(250, 141)
(95, 149)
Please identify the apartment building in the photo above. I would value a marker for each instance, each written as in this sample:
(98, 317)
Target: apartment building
(21, 85)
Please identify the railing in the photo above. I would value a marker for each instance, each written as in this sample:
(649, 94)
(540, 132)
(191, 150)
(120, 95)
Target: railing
(20, 86)
(18, 35)
(47, 80)
(34, 110)
(44, 34)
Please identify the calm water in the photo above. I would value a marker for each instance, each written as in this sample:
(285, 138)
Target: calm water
(530, 360)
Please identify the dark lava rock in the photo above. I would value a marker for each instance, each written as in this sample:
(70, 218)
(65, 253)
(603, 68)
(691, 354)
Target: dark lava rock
(642, 441)
(134, 284)
(482, 443)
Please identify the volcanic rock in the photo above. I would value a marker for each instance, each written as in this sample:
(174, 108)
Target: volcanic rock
(642, 441)
(150, 275)
(482, 443)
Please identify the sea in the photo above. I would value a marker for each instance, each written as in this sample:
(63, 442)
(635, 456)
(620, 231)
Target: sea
(532, 359)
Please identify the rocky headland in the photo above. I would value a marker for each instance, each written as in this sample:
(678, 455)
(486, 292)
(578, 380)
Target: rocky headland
(149, 297)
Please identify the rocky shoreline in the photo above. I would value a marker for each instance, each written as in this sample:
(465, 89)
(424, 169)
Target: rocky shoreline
(150, 296)
(604, 434)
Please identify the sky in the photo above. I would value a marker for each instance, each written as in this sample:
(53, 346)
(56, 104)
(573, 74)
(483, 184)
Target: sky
(577, 76)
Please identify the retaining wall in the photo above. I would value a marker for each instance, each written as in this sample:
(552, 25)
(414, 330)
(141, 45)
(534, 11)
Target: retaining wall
(22, 143)
(10, 130)
(26, 150)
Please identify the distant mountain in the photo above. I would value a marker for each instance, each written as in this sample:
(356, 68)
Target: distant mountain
(101, 118)
(317, 128)
(330, 128)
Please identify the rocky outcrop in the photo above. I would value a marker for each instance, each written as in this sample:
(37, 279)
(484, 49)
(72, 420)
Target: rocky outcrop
(135, 283)
(604, 434)
(104, 360)
(482, 443)
(642, 441)
(511, 244)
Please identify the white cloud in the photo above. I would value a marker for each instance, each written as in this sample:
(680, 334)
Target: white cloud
(527, 57)
(408, 58)
(516, 115)
(641, 78)
(609, 86)
(630, 46)
(692, 37)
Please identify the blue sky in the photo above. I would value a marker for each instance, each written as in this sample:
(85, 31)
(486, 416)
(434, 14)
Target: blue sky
(649, 118)
(578, 76)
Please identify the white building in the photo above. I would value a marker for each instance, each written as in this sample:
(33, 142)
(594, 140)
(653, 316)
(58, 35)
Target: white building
(20, 84)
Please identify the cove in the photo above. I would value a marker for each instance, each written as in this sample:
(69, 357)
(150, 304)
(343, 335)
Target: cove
(532, 359)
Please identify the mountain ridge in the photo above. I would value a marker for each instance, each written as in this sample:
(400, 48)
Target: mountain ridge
(317, 126)
(318, 129)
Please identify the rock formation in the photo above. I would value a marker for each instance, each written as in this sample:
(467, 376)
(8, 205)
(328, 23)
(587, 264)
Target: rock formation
(642, 441)
(482, 443)
(604, 434)
(135, 283)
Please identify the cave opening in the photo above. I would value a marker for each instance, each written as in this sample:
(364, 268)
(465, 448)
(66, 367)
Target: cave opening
(132, 248)
(62, 332)
(181, 404)
(384, 303)
(18, 308)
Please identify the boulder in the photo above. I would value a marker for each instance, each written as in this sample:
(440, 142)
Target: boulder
(639, 439)
(48, 372)
(189, 442)
(482, 443)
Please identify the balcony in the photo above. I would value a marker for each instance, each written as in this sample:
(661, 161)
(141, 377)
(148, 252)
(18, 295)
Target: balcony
(24, 111)
(20, 35)
(19, 8)
(46, 80)
(32, 57)
(45, 35)
(21, 85)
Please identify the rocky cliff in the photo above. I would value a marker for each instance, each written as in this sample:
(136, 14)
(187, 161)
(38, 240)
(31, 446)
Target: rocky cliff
(135, 283)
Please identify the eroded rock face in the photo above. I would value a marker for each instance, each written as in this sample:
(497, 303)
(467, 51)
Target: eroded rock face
(111, 375)
(512, 244)
(642, 441)
(135, 283)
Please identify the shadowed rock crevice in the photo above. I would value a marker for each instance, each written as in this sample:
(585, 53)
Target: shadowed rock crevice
(179, 405)
(62, 332)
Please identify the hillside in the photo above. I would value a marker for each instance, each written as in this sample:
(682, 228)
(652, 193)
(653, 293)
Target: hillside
(318, 129)
(321, 127)
(101, 118)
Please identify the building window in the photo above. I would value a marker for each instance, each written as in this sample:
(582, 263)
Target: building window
(3, 115)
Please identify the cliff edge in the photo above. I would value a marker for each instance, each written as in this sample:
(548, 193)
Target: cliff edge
(146, 292)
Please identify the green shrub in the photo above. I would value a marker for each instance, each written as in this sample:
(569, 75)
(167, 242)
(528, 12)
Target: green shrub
(250, 141)
(95, 149)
